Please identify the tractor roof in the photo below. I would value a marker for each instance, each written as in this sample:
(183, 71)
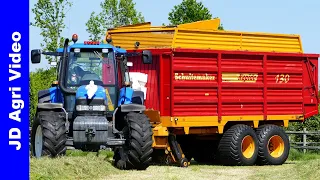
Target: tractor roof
(99, 46)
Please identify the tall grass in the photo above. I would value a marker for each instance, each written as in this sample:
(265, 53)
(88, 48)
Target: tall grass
(297, 155)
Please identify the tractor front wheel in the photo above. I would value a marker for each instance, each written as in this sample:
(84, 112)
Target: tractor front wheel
(48, 136)
(137, 151)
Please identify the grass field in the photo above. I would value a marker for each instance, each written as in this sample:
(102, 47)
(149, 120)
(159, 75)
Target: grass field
(82, 165)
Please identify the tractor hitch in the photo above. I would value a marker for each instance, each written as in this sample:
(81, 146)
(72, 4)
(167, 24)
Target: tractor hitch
(90, 133)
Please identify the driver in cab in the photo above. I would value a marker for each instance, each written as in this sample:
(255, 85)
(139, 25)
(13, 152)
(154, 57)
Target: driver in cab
(76, 74)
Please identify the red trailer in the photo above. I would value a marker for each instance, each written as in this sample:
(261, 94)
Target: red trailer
(221, 95)
(264, 86)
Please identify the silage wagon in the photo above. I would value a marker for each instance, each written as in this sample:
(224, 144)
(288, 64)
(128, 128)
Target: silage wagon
(221, 96)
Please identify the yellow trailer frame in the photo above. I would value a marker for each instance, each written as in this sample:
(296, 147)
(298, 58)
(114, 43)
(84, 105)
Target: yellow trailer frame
(201, 35)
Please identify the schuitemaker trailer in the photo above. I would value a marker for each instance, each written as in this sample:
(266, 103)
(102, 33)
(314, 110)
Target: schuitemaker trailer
(221, 95)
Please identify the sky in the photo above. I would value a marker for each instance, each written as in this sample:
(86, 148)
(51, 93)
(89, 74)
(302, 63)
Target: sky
(273, 16)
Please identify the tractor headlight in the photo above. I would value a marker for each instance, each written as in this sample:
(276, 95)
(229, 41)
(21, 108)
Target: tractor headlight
(91, 108)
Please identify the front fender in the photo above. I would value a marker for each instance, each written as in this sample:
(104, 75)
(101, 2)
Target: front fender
(132, 107)
(50, 106)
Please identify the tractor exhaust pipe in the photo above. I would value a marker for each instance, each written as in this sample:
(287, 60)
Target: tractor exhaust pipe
(63, 69)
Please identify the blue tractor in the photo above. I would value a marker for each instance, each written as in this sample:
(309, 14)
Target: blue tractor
(92, 105)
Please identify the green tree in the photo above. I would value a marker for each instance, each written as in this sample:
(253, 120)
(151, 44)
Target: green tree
(39, 80)
(189, 11)
(95, 27)
(49, 17)
(114, 13)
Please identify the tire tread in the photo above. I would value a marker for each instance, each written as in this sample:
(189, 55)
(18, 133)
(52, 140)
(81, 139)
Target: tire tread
(54, 133)
(229, 151)
(140, 142)
(262, 134)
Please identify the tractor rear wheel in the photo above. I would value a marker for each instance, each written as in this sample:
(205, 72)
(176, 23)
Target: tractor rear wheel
(48, 136)
(238, 146)
(274, 145)
(137, 151)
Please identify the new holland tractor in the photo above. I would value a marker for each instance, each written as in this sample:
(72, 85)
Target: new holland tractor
(93, 105)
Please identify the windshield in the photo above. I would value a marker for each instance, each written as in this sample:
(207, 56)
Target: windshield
(91, 64)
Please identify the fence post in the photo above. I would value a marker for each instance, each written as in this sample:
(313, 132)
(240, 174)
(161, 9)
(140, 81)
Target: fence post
(304, 140)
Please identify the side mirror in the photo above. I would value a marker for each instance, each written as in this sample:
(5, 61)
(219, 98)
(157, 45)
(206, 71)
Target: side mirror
(147, 57)
(35, 56)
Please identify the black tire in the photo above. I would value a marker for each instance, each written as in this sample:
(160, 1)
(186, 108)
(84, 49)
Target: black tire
(230, 146)
(54, 137)
(272, 133)
(138, 147)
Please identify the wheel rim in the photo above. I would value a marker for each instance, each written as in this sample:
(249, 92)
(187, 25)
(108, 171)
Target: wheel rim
(247, 147)
(276, 146)
(185, 164)
(38, 142)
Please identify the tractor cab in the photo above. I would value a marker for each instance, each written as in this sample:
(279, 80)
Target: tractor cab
(87, 62)
(92, 63)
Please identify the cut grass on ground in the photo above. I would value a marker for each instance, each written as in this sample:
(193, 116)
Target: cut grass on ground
(83, 165)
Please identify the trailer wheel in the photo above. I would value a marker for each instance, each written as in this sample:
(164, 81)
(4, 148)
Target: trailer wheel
(137, 151)
(48, 136)
(274, 145)
(238, 146)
